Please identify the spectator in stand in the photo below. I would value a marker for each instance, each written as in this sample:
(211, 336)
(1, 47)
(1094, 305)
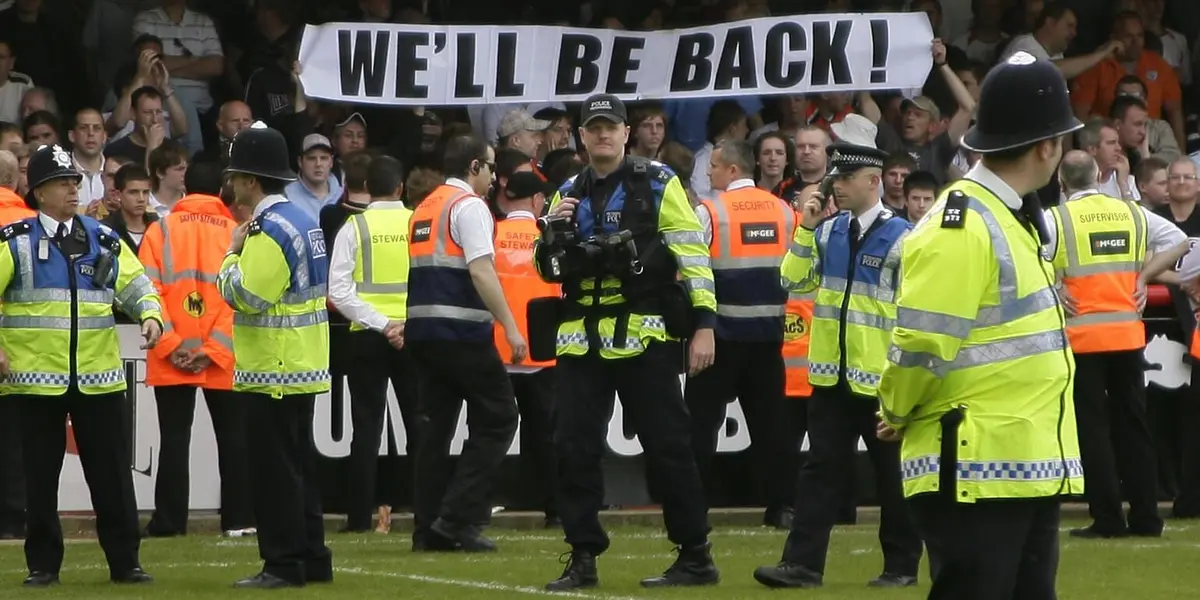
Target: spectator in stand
(933, 153)
(42, 128)
(13, 85)
(486, 118)
(726, 121)
(689, 121)
(87, 153)
(793, 110)
(420, 182)
(431, 132)
(1093, 92)
(1052, 35)
(649, 125)
(22, 153)
(45, 50)
(147, 69)
(39, 99)
(811, 161)
(168, 172)
(933, 8)
(1100, 139)
(317, 187)
(832, 108)
(920, 192)
(192, 55)
(1172, 45)
(775, 160)
(266, 65)
(1158, 132)
(131, 221)
(233, 117)
(100, 208)
(1181, 197)
(681, 160)
(149, 131)
(520, 131)
(350, 135)
(1152, 182)
(11, 136)
(354, 200)
(558, 136)
(986, 34)
(896, 169)
(1131, 120)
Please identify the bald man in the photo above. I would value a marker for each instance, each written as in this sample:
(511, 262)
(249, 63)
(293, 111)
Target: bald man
(233, 117)
(1097, 249)
(12, 479)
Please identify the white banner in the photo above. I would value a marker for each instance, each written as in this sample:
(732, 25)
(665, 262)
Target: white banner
(459, 65)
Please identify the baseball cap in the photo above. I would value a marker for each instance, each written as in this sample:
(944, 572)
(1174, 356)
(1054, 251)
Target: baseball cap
(524, 184)
(353, 117)
(603, 106)
(315, 140)
(519, 120)
(923, 103)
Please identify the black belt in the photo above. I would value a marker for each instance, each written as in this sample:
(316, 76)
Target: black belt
(591, 316)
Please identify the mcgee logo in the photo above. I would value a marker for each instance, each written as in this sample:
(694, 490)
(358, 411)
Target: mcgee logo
(759, 233)
(1107, 243)
(421, 231)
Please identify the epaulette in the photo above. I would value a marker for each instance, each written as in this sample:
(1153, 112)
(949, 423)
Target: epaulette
(13, 230)
(954, 216)
(661, 171)
(255, 226)
(108, 239)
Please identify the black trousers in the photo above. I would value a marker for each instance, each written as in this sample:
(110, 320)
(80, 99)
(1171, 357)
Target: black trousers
(376, 363)
(101, 428)
(176, 411)
(539, 465)
(286, 492)
(1114, 441)
(753, 373)
(836, 419)
(649, 389)
(1187, 502)
(989, 550)
(12, 475)
(447, 374)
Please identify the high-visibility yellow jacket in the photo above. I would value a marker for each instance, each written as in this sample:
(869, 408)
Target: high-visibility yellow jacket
(381, 261)
(980, 340)
(56, 320)
(277, 288)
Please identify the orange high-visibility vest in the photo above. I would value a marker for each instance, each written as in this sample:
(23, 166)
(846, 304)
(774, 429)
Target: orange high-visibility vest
(1101, 249)
(182, 253)
(13, 207)
(515, 236)
(796, 325)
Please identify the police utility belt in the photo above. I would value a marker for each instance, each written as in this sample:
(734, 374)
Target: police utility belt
(635, 255)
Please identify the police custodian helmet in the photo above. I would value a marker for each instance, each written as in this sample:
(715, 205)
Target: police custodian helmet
(48, 163)
(1022, 100)
(262, 152)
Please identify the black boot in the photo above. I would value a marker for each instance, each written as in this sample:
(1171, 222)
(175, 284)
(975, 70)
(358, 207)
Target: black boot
(693, 567)
(580, 572)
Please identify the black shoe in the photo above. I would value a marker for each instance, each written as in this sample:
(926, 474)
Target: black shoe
(779, 518)
(134, 575)
(265, 581)
(893, 580)
(460, 538)
(788, 575)
(1091, 533)
(579, 574)
(693, 567)
(41, 579)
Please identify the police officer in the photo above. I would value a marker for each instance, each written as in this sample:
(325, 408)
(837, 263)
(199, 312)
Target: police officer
(748, 231)
(368, 284)
(978, 383)
(60, 274)
(274, 277)
(851, 260)
(614, 338)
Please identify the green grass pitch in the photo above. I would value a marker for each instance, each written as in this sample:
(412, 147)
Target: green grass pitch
(379, 566)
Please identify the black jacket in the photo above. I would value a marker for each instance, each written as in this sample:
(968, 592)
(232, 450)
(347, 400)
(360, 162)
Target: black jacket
(117, 222)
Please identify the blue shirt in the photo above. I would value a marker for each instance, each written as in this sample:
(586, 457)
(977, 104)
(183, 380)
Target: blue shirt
(688, 118)
(307, 201)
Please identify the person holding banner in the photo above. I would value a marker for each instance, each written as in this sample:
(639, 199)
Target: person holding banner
(619, 334)
(978, 383)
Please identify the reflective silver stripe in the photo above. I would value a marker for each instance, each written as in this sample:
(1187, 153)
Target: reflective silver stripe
(800, 250)
(1076, 269)
(190, 343)
(1019, 471)
(795, 362)
(855, 317)
(298, 246)
(383, 288)
(437, 311)
(20, 295)
(1031, 304)
(932, 322)
(695, 283)
(859, 288)
(60, 323)
(304, 295)
(152, 272)
(25, 261)
(168, 259)
(683, 237)
(236, 293)
(139, 287)
(221, 339)
(368, 284)
(983, 354)
(194, 274)
(685, 262)
(749, 312)
(280, 321)
(440, 258)
(1125, 266)
(144, 306)
(720, 223)
(749, 262)
(1104, 317)
(801, 297)
(891, 417)
(446, 262)
(891, 265)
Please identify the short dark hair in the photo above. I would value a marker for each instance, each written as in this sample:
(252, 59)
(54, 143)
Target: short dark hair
(384, 175)
(461, 152)
(920, 180)
(128, 173)
(354, 170)
(1133, 79)
(723, 114)
(41, 117)
(1122, 104)
(508, 159)
(146, 38)
(166, 155)
(203, 178)
(7, 127)
(146, 91)
(1051, 10)
(1148, 166)
(899, 159)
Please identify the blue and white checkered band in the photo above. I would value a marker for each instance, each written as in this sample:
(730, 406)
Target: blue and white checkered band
(856, 161)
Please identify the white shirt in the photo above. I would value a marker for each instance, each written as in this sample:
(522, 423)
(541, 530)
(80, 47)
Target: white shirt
(706, 218)
(1175, 52)
(700, 182)
(1109, 187)
(11, 93)
(91, 186)
(195, 34)
(266, 203)
(472, 224)
(162, 210)
(51, 225)
(985, 177)
(520, 369)
(867, 219)
(1163, 234)
(1027, 43)
(343, 291)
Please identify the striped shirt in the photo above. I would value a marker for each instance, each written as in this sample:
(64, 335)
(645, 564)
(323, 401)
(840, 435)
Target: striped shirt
(194, 35)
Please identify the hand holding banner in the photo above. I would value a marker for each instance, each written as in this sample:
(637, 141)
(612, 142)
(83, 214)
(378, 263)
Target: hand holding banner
(420, 65)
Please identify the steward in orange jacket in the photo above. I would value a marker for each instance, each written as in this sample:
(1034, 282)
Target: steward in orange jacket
(13, 207)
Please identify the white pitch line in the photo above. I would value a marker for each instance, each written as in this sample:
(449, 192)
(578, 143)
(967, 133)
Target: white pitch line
(481, 585)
